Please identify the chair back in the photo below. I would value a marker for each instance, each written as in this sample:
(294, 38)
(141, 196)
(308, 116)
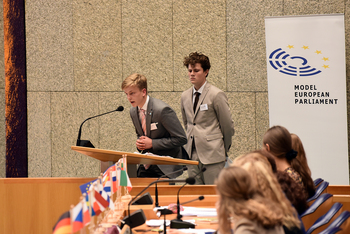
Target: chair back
(318, 181)
(322, 222)
(318, 208)
(341, 224)
(318, 191)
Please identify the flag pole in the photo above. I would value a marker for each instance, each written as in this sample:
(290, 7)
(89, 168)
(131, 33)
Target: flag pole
(82, 199)
(71, 216)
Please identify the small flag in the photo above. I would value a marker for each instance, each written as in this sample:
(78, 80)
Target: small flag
(63, 224)
(107, 181)
(114, 181)
(77, 217)
(105, 195)
(124, 178)
(93, 203)
(84, 188)
(86, 212)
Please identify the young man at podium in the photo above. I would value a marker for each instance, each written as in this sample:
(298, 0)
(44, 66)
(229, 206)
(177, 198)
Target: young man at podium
(158, 129)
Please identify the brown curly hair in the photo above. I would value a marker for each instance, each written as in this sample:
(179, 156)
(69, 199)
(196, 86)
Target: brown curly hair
(294, 192)
(196, 57)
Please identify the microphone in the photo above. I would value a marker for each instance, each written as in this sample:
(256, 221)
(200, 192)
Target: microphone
(87, 143)
(178, 222)
(200, 198)
(156, 187)
(138, 218)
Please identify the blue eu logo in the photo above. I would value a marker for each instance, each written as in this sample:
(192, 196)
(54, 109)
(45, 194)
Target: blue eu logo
(290, 65)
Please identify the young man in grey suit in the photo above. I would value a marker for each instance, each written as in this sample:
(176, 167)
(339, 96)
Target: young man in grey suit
(207, 120)
(158, 129)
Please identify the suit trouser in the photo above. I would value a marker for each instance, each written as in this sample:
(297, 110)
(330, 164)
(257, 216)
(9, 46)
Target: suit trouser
(211, 173)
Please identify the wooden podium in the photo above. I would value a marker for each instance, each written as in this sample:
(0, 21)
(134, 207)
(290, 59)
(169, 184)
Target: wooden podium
(133, 158)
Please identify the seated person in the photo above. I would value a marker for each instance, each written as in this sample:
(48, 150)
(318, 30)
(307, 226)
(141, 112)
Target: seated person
(240, 203)
(293, 191)
(278, 141)
(266, 183)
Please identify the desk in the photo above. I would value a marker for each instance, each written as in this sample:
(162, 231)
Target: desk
(201, 223)
(33, 205)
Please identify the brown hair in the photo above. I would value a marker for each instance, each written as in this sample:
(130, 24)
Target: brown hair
(137, 80)
(294, 191)
(196, 57)
(298, 146)
(238, 198)
(280, 141)
(266, 183)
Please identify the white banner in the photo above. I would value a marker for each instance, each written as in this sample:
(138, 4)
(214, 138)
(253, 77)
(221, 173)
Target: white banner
(307, 88)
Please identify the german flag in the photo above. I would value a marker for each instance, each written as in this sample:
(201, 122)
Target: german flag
(63, 225)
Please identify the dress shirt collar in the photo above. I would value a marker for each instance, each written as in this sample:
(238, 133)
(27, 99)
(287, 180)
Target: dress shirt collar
(200, 90)
(145, 105)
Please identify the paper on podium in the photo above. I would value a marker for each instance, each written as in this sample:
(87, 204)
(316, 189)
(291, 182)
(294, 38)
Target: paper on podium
(152, 154)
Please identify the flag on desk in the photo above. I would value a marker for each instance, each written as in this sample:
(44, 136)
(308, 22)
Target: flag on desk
(77, 217)
(63, 225)
(105, 195)
(86, 212)
(107, 180)
(84, 188)
(114, 180)
(100, 202)
(93, 203)
(124, 178)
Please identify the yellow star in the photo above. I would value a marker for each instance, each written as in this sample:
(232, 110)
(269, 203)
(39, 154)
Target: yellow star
(305, 47)
(318, 52)
(325, 59)
(290, 46)
(325, 66)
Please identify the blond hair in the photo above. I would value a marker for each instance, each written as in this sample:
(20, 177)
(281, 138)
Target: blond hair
(266, 183)
(135, 79)
(238, 198)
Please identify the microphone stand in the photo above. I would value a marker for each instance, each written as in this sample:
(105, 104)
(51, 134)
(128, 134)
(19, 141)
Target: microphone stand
(87, 143)
(164, 212)
(156, 196)
(156, 188)
(178, 222)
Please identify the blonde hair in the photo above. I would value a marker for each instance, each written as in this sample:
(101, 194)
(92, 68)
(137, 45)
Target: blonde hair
(238, 198)
(266, 183)
(135, 79)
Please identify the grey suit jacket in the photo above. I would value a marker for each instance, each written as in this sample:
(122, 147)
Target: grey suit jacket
(166, 132)
(210, 127)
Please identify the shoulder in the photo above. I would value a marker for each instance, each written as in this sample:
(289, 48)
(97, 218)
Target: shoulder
(160, 106)
(295, 175)
(157, 103)
(215, 93)
(213, 89)
(246, 226)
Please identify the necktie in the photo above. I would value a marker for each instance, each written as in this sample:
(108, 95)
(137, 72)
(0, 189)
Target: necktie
(196, 101)
(143, 121)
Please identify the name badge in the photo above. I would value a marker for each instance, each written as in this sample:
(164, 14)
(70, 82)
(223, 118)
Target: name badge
(203, 107)
(154, 126)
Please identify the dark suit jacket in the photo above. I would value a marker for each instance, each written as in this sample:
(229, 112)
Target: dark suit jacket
(165, 130)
